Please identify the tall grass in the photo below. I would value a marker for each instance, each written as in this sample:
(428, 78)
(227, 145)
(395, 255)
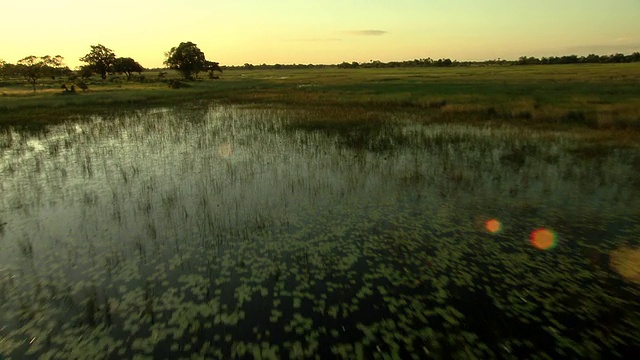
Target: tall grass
(602, 96)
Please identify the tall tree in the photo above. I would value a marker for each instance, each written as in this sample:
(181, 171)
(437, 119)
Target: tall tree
(33, 68)
(100, 59)
(187, 58)
(127, 66)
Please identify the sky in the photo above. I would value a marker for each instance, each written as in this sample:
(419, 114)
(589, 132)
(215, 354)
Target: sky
(235, 32)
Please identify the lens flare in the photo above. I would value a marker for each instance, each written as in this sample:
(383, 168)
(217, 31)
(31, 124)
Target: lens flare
(493, 226)
(543, 239)
(626, 262)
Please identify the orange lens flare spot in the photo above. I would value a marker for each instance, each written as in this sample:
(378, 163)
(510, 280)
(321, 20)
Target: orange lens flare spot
(543, 239)
(493, 226)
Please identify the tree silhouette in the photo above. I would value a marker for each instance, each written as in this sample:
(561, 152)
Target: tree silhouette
(33, 68)
(187, 58)
(100, 59)
(85, 72)
(127, 66)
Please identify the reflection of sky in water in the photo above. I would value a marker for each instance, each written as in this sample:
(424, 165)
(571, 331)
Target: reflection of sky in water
(105, 178)
(156, 183)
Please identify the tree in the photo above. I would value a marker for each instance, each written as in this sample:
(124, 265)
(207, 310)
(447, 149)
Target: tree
(635, 57)
(615, 58)
(187, 58)
(592, 58)
(127, 66)
(33, 68)
(9, 70)
(100, 59)
(211, 67)
(85, 72)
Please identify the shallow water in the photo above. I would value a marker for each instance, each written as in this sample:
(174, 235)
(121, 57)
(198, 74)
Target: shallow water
(220, 231)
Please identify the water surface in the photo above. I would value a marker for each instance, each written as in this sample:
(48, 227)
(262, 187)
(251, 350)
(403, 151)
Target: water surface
(218, 231)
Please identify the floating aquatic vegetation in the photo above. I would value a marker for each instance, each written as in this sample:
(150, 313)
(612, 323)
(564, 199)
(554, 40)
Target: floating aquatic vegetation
(221, 232)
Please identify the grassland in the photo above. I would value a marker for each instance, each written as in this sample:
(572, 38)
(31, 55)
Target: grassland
(587, 96)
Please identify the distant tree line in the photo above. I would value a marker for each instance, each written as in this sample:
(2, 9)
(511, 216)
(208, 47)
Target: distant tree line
(263, 66)
(351, 65)
(187, 58)
(575, 59)
(445, 62)
(190, 61)
(428, 62)
(32, 68)
(102, 61)
(393, 64)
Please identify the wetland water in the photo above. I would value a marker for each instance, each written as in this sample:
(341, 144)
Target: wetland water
(220, 232)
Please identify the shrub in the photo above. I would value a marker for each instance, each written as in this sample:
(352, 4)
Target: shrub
(579, 117)
(176, 84)
(82, 85)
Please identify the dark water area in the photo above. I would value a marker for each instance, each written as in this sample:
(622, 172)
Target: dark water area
(239, 232)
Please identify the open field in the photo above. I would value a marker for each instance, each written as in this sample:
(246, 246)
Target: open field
(587, 96)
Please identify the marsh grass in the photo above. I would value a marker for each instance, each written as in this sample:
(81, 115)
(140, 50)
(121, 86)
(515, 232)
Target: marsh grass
(594, 96)
(342, 228)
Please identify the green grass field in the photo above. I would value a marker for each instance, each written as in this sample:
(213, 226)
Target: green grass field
(592, 96)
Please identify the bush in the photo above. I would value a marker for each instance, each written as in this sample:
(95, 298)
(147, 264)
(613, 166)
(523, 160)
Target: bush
(176, 84)
(82, 85)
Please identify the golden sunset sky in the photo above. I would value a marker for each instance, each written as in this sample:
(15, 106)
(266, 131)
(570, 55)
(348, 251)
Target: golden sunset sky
(234, 32)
